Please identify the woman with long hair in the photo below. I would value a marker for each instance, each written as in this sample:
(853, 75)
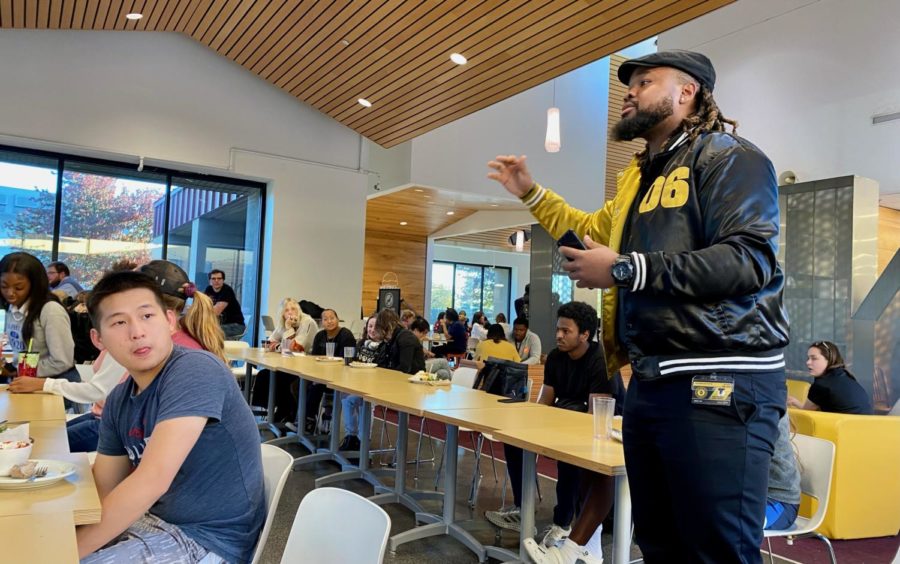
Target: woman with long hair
(834, 388)
(35, 320)
(403, 350)
(294, 324)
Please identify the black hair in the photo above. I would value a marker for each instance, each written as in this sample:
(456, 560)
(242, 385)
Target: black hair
(584, 316)
(60, 267)
(441, 315)
(501, 318)
(216, 271)
(31, 268)
(521, 321)
(496, 333)
(451, 315)
(332, 311)
(117, 282)
(420, 324)
(480, 318)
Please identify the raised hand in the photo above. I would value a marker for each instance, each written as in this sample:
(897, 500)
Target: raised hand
(511, 172)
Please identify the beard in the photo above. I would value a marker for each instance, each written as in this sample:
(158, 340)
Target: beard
(642, 121)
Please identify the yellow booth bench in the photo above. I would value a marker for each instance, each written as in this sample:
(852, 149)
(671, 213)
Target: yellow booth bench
(865, 488)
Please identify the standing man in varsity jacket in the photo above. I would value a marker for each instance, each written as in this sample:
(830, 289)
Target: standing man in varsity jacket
(687, 249)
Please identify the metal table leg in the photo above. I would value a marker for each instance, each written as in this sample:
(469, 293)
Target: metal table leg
(300, 438)
(332, 452)
(362, 471)
(622, 524)
(399, 494)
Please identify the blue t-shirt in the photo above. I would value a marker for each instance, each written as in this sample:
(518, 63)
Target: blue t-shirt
(457, 332)
(217, 497)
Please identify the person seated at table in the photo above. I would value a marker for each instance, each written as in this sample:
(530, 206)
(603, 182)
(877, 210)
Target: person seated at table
(299, 330)
(495, 346)
(227, 306)
(833, 389)
(457, 337)
(527, 342)
(440, 324)
(197, 329)
(583, 543)
(331, 333)
(575, 372)
(403, 351)
(500, 320)
(179, 469)
(437, 366)
(36, 322)
(479, 326)
(407, 316)
(368, 349)
(464, 319)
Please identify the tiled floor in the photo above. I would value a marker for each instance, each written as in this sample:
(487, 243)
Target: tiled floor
(436, 549)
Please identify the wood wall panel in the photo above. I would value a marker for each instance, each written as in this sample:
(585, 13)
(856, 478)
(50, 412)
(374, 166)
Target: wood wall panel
(888, 235)
(618, 154)
(399, 253)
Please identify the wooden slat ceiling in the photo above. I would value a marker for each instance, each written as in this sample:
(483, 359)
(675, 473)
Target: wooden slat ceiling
(496, 239)
(395, 53)
(425, 211)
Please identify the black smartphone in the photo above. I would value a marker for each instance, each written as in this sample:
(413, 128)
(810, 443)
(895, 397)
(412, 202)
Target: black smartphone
(570, 239)
(511, 400)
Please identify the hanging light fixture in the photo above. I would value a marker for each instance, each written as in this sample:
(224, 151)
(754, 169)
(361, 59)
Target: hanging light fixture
(552, 140)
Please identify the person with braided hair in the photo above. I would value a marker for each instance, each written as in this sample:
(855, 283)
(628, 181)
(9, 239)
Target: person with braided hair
(688, 248)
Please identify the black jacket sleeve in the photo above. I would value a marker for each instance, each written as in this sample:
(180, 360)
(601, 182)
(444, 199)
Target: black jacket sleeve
(408, 355)
(738, 198)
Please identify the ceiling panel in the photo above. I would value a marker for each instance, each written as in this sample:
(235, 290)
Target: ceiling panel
(496, 239)
(395, 53)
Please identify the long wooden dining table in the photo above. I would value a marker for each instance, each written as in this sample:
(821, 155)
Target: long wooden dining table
(38, 525)
(552, 432)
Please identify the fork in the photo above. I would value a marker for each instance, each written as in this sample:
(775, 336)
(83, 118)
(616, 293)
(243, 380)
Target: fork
(39, 472)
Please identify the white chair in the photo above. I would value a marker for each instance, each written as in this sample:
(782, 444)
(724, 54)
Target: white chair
(335, 526)
(239, 371)
(277, 466)
(816, 460)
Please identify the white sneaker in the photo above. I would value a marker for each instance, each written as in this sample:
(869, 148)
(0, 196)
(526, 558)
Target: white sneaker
(554, 534)
(509, 519)
(567, 553)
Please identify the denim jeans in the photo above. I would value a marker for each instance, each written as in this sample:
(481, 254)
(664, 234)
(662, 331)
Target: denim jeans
(84, 433)
(353, 407)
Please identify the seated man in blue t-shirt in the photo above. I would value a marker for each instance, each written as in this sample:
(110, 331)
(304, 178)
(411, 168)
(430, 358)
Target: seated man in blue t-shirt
(178, 468)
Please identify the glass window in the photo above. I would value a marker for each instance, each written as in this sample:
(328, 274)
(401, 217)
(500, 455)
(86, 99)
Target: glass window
(469, 288)
(441, 288)
(28, 188)
(216, 226)
(107, 216)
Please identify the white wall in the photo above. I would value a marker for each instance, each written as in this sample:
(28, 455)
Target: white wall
(804, 79)
(454, 157)
(179, 104)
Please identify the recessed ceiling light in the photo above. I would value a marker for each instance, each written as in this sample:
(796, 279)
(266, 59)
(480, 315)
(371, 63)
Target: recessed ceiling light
(403, 223)
(495, 205)
(458, 59)
(133, 16)
(418, 190)
(450, 213)
(364, 103)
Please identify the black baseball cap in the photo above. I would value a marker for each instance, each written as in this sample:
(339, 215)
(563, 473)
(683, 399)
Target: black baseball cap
(170, 277)
(695, 64)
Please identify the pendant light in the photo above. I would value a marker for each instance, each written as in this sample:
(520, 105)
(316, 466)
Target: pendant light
(552, 140)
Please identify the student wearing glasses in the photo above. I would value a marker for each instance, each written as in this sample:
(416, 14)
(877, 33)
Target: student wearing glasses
(226, 305)
(834, 389)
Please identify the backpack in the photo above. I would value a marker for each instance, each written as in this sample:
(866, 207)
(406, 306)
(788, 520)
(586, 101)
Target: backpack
(503, 378)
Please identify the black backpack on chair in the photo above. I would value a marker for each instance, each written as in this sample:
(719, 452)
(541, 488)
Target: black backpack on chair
(503, 378)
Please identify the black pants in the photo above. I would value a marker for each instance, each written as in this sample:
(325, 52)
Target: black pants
(570, 490)
(285, 399)
(698, 473)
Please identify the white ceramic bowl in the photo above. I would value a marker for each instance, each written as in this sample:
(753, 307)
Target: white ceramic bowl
(11, 457)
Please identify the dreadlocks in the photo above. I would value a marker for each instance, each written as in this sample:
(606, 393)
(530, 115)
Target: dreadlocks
(706, 119)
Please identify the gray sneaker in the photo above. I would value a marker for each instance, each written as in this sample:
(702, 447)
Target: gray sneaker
(509, 518)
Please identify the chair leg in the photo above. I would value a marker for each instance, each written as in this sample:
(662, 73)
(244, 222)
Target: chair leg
(476, 475)
(771, 558)
(493, 461)
(828, 544)
(537, 479)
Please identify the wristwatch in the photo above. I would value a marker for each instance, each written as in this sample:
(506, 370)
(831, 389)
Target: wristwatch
(623, 271)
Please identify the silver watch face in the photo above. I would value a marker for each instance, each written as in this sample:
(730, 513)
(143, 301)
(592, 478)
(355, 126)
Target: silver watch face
(622, 271)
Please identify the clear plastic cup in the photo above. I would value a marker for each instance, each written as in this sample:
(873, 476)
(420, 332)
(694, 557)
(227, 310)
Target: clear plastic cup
(329, 350)
(349, 354)
(286, 346)
(28, 363)
(604, 409)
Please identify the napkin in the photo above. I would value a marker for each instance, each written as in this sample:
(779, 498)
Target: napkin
(18, 433)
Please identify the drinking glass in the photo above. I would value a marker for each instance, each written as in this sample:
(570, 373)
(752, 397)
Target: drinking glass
(604, 408)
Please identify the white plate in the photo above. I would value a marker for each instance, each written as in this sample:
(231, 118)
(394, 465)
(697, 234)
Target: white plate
(357, 364)
(329, 359)
(57, 470)
(3, 387)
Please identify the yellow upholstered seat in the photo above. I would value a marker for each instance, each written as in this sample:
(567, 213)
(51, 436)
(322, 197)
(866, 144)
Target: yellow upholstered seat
(798, 389)
(865, 488)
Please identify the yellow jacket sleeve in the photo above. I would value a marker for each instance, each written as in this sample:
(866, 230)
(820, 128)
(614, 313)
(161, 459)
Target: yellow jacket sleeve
(556, 216)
